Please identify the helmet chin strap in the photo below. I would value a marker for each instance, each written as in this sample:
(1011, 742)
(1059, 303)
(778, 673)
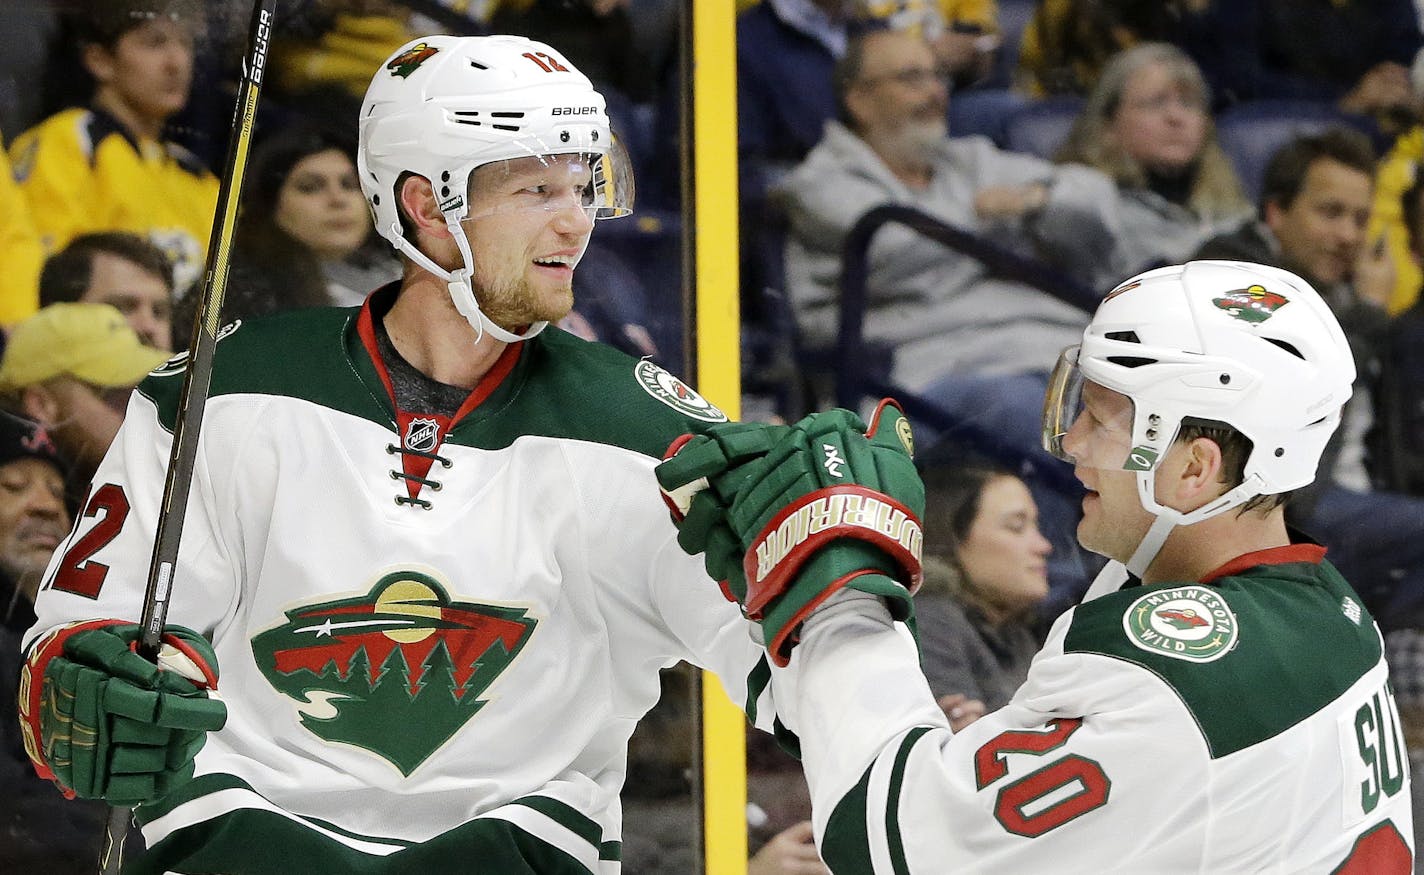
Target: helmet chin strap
(1115, 573)
(458, 284)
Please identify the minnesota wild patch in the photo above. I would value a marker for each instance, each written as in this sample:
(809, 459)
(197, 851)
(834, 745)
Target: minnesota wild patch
(675, 393)
(1189, 622)
(397, 671)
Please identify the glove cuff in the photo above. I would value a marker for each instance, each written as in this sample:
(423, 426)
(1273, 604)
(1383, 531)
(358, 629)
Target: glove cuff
(680, 499)
(32, 689)
(785, 631)
(775, 556)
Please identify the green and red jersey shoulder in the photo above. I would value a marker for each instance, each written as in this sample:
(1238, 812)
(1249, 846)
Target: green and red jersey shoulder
(1258, 646)
(557, 386)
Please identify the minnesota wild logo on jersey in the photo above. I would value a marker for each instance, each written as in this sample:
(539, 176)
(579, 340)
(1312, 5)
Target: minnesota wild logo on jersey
(397, 671)
(1189, 622)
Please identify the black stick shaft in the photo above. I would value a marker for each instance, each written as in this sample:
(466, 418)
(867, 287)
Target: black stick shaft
(197, 379)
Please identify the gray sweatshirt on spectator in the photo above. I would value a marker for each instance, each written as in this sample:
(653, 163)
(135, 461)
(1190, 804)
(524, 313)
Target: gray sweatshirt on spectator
(938, 308)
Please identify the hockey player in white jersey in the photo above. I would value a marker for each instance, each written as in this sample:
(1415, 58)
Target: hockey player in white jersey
(424, 564)
(1225, 707)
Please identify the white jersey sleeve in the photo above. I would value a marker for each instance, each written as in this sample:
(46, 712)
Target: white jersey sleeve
(100, 571)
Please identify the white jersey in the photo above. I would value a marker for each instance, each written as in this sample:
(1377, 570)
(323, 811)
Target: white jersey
(1240, 725)
(434, 639)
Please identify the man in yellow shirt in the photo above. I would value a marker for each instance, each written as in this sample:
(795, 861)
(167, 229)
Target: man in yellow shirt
(19, 251)
(107, 167)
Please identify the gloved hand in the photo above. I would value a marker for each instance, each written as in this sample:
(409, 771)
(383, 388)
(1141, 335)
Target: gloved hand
(830, 505)
(700, 477)
(105, 723)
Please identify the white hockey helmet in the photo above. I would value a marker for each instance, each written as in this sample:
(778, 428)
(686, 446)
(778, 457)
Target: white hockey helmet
(442, 106)
(1247, 345)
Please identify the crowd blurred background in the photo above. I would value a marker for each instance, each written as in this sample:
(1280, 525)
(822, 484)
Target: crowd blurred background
(933, 196)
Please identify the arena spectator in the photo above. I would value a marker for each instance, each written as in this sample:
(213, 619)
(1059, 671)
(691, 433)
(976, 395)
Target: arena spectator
(304, 237)
(936, 309)
(1398, 171)
(978, 346)
(324, 53)
(1355, 53)
(1395, 461)
(1315, 206)
(120, 269)
(71, 368)
(20, 250)
(108, 166)
(40, 830)
(1067, 43)
(986, 571)
(1146, 125)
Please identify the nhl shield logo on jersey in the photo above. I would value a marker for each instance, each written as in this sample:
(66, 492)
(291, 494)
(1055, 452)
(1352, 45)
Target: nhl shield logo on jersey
(422, 435)
(675, 393)
(397, 671)
(1190, 622)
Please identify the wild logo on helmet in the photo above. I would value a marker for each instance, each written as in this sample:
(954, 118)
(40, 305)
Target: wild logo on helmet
(406, 62)
(402, 657)
(1253, 304)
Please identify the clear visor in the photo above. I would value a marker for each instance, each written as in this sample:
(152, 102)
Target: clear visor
(600, 184)
(1088, 424)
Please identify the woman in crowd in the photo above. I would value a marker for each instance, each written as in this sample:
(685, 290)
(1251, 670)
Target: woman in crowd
(303, 238)
(986, 569)
(1146, 125)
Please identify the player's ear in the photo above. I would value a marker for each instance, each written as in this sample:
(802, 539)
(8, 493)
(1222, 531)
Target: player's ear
(419, 207)
(1202, 477)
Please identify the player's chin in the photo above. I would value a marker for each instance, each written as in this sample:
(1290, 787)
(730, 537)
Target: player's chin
(551, 305)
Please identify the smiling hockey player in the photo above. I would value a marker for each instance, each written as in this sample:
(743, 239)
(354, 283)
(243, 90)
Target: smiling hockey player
(1227, 710)
(424, 545)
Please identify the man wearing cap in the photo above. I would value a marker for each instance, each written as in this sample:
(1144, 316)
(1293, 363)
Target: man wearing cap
(71, 367)
(40, 831)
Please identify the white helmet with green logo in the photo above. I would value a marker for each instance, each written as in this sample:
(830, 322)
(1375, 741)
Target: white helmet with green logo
(1243, 344)
(441, 106)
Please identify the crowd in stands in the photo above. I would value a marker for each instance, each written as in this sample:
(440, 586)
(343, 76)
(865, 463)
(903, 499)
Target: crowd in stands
(1088, 139)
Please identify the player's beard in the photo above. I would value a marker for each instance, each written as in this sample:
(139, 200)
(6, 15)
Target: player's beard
(516, 304)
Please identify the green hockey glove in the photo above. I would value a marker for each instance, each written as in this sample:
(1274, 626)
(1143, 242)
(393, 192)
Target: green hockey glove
(700, 477)
(105, 723)
(831, 505)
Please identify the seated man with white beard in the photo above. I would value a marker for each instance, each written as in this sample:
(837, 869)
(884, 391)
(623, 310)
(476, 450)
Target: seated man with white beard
(933, 305)
(985, 344)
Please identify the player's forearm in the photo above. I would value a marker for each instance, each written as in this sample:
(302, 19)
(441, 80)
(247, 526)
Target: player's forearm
(858, 688)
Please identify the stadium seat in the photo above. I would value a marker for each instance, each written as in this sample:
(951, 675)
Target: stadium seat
(1251, 132)
(984, 111)
(1040, 127)
(1014, 16)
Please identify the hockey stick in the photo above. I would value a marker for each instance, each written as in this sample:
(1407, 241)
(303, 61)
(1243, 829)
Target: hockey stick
(196, 381)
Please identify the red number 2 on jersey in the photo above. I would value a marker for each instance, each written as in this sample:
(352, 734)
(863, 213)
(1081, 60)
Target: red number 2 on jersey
(77, 574)
(1023, 806)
